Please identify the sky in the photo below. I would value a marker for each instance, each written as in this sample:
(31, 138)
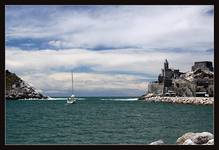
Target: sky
(113, 50)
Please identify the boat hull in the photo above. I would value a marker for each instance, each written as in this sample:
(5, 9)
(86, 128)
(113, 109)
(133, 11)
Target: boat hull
(71, 100)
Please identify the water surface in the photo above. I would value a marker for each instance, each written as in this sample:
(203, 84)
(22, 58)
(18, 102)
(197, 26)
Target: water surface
(102, 121)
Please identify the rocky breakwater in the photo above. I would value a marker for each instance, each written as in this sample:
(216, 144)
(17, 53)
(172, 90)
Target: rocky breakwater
(190, 138)
(16, 88)
(180, 100)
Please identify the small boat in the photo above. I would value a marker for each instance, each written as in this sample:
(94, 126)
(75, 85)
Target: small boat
(72, 98)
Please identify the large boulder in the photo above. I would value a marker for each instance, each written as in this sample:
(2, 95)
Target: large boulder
(210, 142)
(191, 138)
(184, 137)
(189, 142)
(202, 138)
(158, 142)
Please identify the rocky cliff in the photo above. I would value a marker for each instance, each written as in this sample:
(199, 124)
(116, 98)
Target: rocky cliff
(195, 81)
(16, 88)
(199, 82)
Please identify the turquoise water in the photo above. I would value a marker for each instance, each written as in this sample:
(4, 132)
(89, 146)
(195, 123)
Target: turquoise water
(102, 121)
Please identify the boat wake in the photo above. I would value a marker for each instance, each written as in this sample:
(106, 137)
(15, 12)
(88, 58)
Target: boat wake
(120, 99)
(65, 98)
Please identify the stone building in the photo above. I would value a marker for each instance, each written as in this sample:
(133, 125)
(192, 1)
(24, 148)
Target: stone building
(167, 77)
(203, 65)
(164, 85)
(172, 82)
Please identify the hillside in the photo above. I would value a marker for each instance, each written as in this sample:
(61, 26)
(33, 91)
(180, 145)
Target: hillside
(199, 82)
(16, 88)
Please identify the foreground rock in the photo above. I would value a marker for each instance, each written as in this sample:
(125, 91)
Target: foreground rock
(189, 142)
(196, 139)
(190, 138)
(159, 142)
(181, 100)
(185, 137)
(210, 142)
(16, 88)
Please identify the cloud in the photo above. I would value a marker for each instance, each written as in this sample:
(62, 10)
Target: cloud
(113, 50)
(55, 43)
(123, 69)
(123, 26)
(86, 83)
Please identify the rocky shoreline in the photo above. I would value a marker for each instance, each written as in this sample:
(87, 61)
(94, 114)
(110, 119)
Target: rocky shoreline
(179, 100)
(190, 138)
(16, 88)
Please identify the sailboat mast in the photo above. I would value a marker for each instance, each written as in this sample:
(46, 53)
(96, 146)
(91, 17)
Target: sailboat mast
(72, 82)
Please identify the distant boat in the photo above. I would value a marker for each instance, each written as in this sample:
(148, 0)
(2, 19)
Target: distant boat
(72, 98)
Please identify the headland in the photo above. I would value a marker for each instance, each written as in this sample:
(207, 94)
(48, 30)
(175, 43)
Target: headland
(193, 87)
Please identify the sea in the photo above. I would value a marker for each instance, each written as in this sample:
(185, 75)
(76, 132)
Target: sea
(102, 120)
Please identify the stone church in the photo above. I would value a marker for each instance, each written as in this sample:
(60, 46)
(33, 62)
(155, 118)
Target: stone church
(172, 82)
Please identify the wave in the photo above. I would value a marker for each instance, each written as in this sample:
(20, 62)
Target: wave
(81, 99)
(120, 99)
(65, 98)
(31, 99)
(59, 98)
(88, 98)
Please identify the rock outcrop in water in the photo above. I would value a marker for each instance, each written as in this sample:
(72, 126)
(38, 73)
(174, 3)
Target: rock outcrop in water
(16, 88)
(158, 142)
(199, 82)
(180, 100)
(190, 138)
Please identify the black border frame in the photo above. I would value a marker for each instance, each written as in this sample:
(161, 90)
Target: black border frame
(95, 2)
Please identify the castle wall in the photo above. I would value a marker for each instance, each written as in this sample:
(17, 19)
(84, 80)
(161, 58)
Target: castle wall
(171, 80)
(203, 65)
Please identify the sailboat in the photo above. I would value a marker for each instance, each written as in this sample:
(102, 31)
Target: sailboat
(72, 98)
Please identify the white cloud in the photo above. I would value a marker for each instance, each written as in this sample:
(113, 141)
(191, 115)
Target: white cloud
(55, 43)
(126, 60)
(49, 69)
(182, 34)
(85, 82)
(142, 26)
